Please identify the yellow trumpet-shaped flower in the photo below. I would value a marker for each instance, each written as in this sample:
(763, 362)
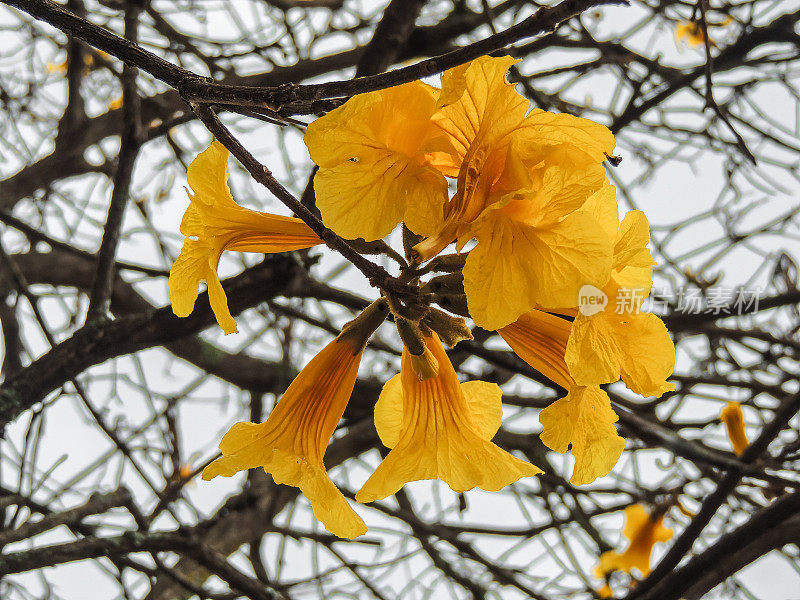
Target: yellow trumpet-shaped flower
(520, 182)
(440, 429)
(620, 340)
(374, 169)
(291, 443)
(733, 418)
(585, 420)
(643, 530)
(213, 223)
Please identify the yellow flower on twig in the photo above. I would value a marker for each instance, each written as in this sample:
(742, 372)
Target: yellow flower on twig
(620, 340)
(291, 443)
(440, 429)
(213, 223)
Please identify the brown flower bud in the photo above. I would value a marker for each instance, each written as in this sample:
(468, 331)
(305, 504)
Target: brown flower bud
(449, 328)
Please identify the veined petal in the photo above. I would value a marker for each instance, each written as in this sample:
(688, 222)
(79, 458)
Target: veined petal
(343, 132)
(396, 119)
(551, 129)
(208, 176)
(593, 351)
(562, 191)
(515, 267)
(585, 420)
(439, 436)
(198, 262)
(291, 443)
(540, 339)
(630, 245)
(476, 100)
(479, 111)
(369, 197)
(602, 205)
(631, 282)
(483, 401)
(373, 154)
(649, 356)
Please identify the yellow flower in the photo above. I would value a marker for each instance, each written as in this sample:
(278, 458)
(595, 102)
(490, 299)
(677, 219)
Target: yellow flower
(440, 429)
(291, 443)
(115, 103)
(643, 531)
(733, 418)
(691, 33)
(620, 341)
(374, 171)
(57, 68)
(584, 419)
(213, 223)
(521, 180)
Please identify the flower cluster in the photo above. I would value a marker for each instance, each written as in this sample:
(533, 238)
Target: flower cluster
(529, 188)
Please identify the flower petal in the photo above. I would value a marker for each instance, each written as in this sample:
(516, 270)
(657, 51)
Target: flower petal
(540, 339)
(515, 267)
(198, 262)
(585, 420)
(373, 155)
(649, 356)
(476, 100)
(593, 351)
(369, 197)
(602, 205)
(733, 418)
(550, 129)
(630, 245)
